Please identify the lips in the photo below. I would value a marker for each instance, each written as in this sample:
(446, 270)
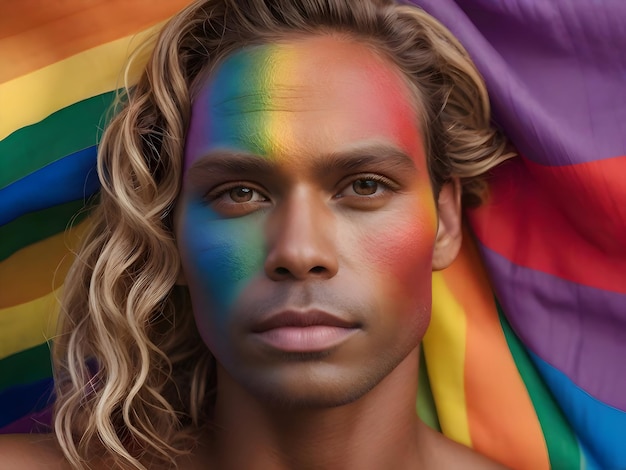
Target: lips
(302, 320)
(304, 331)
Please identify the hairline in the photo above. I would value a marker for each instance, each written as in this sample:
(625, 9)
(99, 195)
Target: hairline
(375, 45)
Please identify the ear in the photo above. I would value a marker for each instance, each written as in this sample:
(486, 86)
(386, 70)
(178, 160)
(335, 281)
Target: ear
(449, 231)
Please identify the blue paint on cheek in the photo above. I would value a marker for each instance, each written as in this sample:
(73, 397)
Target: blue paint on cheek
(220, 256)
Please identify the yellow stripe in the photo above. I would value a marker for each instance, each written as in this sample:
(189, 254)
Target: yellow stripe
(34, 270)
(28, 325)
(444, 348)
(30, 98)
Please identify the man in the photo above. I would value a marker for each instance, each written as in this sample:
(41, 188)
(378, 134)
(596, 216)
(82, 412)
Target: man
(312, 155)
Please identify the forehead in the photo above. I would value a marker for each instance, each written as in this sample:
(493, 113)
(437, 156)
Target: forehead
(321, 88)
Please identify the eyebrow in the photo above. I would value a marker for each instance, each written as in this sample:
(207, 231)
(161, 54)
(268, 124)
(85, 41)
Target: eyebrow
(227, 163)
(361, 157)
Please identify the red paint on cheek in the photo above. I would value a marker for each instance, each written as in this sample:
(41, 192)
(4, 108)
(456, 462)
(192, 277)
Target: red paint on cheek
(402, 253)
(400, 260)
(401, 248)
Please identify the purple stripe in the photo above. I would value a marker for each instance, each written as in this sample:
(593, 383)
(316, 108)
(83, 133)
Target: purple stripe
(574, 328)
(556, 71)
(39, 422)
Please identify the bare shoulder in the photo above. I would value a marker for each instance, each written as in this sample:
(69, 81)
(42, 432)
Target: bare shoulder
(30, 452)
(450, 454)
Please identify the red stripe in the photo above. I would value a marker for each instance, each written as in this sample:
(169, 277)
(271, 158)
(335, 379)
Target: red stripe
(36, 33)
(568, 221)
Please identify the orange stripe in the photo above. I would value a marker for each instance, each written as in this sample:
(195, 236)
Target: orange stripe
(38, 269)
(502, 420)
(37, 33)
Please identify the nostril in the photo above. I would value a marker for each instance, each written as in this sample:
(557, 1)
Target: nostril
(284, 272)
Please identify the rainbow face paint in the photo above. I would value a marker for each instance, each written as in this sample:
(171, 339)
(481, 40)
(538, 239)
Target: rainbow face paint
(307, 223)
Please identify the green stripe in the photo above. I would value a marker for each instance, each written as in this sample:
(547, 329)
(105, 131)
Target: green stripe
(64, 132)
(426, 409)
(561, 442)
(37, 226)
(25, 367)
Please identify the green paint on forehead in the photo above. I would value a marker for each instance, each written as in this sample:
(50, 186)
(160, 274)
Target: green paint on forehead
(240, 105)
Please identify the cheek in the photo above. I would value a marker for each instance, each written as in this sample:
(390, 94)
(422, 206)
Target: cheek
(219, 258)
(401, 253)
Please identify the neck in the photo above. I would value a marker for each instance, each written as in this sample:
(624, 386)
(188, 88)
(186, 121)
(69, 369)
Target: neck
(378, 430)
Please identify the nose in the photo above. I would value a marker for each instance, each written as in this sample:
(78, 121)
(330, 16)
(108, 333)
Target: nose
(302, 239)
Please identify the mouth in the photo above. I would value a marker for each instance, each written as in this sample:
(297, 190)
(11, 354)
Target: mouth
(304, 331)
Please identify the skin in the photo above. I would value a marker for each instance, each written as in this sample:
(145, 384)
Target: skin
(306, 189)
(306, 239)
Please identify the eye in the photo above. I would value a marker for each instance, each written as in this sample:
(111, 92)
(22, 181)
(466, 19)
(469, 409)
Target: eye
(235, 200)
(236, 195)
(367, 191)
(241, 194)
(368, 186)
(364, 187)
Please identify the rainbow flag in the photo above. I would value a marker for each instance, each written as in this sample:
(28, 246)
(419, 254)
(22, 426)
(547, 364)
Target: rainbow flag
(532, 375)
(61, 65)
(552, 238)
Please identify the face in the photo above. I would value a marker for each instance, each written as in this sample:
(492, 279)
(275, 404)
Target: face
(307, 223)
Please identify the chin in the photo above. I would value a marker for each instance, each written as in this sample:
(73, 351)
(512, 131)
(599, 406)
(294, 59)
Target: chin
(315, 386)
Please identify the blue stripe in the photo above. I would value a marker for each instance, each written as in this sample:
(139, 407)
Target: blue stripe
(71, 178)
(600, 428)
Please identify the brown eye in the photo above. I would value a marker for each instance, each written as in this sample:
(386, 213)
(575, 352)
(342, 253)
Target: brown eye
(365, 187)
(241, 194)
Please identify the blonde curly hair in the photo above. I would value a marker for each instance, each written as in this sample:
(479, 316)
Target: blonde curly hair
(134, 381)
